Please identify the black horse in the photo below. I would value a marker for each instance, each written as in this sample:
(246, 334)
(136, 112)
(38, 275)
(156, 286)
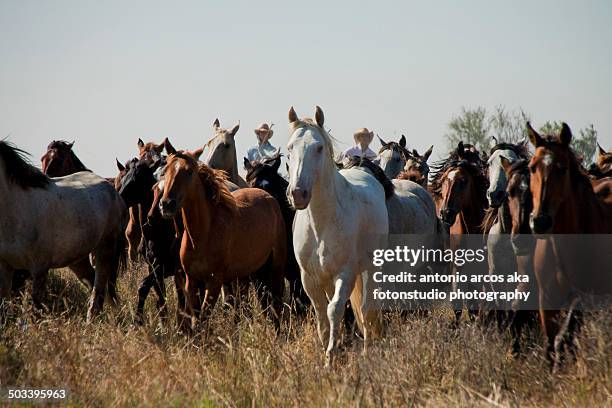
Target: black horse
(264, 175)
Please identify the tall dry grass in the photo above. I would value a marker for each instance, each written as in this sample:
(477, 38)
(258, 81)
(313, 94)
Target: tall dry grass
(421, 361)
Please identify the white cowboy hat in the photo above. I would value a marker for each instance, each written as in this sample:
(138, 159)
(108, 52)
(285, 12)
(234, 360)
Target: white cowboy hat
(363, 133)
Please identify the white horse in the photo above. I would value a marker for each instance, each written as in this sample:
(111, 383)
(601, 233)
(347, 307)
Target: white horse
(498, 224)
(57, 222)
(341, 219)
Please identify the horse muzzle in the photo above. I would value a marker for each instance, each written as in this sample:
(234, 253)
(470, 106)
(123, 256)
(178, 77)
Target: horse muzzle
(168, 207)
(541, 223)
(448, 216)
(496, 198)
(300, 198)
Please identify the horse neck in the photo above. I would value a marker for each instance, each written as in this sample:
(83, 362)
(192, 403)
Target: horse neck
(580, 212)
(326, 197)
(473, 215)
(197, 214)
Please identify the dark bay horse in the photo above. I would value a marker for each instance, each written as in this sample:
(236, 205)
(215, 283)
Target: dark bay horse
(264, 174)
(565, 205)
(520, 204)
(228, 237)
(459, 187)
(56, 223)
(161, 243)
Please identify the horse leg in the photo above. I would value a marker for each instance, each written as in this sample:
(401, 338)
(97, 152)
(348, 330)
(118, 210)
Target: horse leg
(107, 261)
(143, 292)
(212, 289)
(343, 286)
(133, 234)
(192, 300)
(181, 308)
(317, 296)
(84, 271)
(39, 285)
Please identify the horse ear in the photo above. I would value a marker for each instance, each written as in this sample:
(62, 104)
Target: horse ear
(428, 153)
(534, 137)
(216, 124)
(169, 148)
(276, 163)
(247, 164)
(287, 167)
(506, 164)
(120, 166)
(140, 143)
(460, 150)
(601, 150)
(234, 130)
(402, 141)
(71, 144)
(197, 153)
(493, 142)
(523, 142)
(566, 134)
(293, 117)
(319, 117)
(415, 153)
(382, 142)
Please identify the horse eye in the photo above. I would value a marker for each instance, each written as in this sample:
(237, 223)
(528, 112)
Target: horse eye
(319, 149)
(532, 169)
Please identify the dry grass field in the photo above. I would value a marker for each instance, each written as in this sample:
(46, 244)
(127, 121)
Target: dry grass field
(420, 362)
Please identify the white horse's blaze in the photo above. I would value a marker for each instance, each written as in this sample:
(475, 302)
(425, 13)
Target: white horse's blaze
(548, 159)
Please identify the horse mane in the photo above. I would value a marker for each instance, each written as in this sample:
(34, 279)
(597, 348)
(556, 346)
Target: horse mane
(469, 160)
(521, 150)
(214, 183)
(377, 172)
(411, 175)
(62, 144)
(18, 168)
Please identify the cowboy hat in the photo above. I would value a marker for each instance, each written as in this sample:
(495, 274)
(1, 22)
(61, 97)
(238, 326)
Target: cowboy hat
(265, 130)
(363, 132)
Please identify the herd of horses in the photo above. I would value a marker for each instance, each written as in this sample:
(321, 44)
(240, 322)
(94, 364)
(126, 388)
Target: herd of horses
(200, 223)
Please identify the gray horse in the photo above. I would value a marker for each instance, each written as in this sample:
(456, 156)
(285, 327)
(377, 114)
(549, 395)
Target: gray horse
(222, 153)
(57, 222)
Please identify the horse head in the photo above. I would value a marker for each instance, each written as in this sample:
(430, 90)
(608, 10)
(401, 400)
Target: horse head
(310, 155)
(496, 193)
(392, 156)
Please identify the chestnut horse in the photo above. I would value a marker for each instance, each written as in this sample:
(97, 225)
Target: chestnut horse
(603, 165)
(564, 202)
(228, 237)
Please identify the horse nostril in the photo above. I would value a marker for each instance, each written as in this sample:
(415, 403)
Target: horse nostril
(304, 194)
(541, 224)
(168, 204)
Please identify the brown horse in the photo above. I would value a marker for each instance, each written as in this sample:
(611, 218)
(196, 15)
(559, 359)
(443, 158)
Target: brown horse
(603, 165)
(228, 237)
(416, 168)
(564, 202)
(459, 187)
(60, 160)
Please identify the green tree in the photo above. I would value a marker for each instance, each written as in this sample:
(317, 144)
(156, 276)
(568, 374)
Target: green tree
(475, 126)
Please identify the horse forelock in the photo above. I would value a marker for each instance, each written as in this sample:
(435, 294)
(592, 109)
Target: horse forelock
(328, 139)
(18, 169)
(475, 170)
(396, 147)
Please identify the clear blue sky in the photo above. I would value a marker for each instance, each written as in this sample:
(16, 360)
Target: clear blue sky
(105, 73)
